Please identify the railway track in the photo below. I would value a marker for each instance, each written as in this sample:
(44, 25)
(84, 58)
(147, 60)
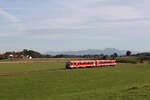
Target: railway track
(29, 72)
(46, 70)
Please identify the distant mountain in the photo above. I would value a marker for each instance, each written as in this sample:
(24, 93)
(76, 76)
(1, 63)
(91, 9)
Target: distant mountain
(107, 51)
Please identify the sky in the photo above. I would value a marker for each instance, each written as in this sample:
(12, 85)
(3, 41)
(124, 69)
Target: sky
(63, 25)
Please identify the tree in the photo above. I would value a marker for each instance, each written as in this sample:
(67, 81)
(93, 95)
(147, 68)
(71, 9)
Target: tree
(114, 55)
(128, 53)
(105, 57)
(31, 53)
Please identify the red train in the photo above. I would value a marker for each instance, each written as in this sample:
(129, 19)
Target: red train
(90, 63)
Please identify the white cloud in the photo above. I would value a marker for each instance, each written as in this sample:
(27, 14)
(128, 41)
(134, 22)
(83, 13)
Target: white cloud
(117, 12)
(16, 23)
(73, 20)
(79, 17)
(11, 17)
(76, 14)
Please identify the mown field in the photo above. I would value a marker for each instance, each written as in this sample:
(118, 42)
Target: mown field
(123, 82)
(20, 67)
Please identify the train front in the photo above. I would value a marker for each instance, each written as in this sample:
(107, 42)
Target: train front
(68, 65)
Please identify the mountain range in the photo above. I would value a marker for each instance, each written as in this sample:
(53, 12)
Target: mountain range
(107, 51)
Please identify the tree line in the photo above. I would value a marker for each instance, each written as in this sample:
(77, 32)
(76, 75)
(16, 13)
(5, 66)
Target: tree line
(34, 54)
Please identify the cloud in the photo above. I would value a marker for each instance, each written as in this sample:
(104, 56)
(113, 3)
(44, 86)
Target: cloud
(74, 18)
(76, 14)
(15, 22)
(67, 17)
(11, 17)
(98, 22)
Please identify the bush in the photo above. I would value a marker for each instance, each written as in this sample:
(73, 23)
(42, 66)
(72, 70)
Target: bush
(127, 61)
(132, 60)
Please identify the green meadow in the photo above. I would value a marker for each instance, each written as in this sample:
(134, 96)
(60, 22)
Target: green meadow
(19, 67)
(123, 82)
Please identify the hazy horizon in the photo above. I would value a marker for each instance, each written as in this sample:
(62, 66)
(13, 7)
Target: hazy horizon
(54, 25)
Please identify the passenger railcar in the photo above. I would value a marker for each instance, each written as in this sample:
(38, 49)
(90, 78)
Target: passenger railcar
(90, 63)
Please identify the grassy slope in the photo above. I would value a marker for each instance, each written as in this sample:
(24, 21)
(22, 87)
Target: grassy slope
(125, 82)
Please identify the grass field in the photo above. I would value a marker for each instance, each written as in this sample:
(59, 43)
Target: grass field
(15, 67)
(127, 58)
(123, 82)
